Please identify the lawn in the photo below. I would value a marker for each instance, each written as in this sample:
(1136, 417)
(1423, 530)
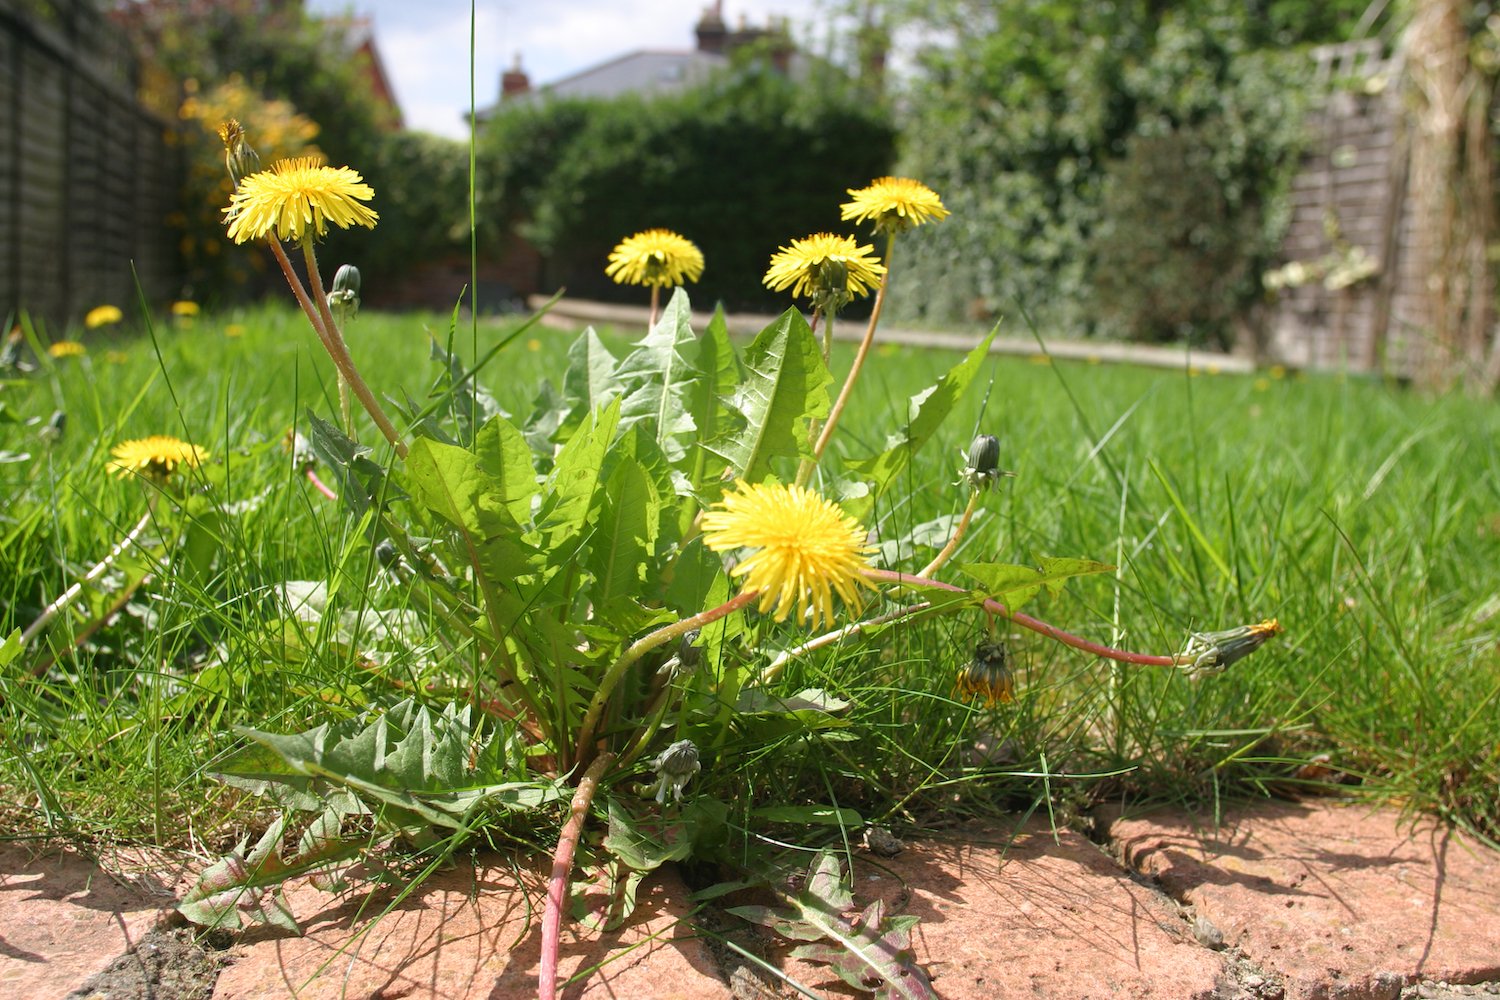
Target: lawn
(1365, 518)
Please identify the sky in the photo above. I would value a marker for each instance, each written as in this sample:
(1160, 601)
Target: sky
(424, 44)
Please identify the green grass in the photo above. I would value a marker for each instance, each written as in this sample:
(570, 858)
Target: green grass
(1365, 518)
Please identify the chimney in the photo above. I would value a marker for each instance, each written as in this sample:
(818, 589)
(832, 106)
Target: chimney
(514, 80)
(712, 32)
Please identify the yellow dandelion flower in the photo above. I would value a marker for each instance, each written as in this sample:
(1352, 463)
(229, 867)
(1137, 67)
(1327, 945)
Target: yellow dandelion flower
(297, 198)
(657, 257)
(66, 349)
(183, 307)
(102, 316)
(116, 357)
(157, 456)
(894, 204)
(826, 268)
(807, 549)
(234, 330)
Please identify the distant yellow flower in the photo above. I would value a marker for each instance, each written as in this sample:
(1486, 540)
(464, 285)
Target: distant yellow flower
(183, 307)
(298, 198)
(828, 269)
(657, 257)
(102, 316)
(807, 549)
(533, 344)
(234, 330)
(157, 456)
(116, 357)
(894, 204)
(66, 349)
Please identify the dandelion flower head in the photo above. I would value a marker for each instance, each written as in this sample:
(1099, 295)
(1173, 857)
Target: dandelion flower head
(157, 456)
(184, 308)
(826, 268)
(66, 349)
(894, 204)
(806, 548)
(297, 198)
(656, 257)
(987, 677)
(102, 316)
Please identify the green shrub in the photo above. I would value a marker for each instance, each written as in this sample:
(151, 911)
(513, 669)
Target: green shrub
(740, 166)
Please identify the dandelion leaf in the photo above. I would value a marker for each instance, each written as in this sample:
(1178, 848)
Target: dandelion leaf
(926, 412)
(656, 377)
(785, 386)
(1014, 585)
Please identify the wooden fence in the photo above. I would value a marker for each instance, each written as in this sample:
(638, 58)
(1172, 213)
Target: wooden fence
(1350, 295)
(87, 176)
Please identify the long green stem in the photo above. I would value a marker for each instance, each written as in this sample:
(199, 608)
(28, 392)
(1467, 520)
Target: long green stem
(859, 356)
(1035, 624)
(332, 344)
(958, 533)
(772, 669)
(66, 598)
(343, 359)
(640, 648)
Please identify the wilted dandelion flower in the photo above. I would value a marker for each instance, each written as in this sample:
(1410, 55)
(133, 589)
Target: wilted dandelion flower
(102, 316)
(1211, 652)
(826, 268)
(157, 456)
(987, 676)
(656, 257)
(806, 548)
(893, 204)
(298, 198)
(675, 767)
(184, 308)
(66, 349)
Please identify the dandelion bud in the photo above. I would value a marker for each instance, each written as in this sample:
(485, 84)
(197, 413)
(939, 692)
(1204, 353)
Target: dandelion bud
(10, 356)
(239, 157)
(988, 675)
(982, 469)
(688, 654)
(55, 427)
(1211, 652)
(675, 767)
(344, 298)
(386, 553)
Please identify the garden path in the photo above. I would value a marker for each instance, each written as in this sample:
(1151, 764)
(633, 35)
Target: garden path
(1302, 901)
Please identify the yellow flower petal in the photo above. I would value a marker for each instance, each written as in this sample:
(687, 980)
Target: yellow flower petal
(825, 267)
(894, 204)
(656, 257)
(297, 198)
(806, 548)
(157, 456)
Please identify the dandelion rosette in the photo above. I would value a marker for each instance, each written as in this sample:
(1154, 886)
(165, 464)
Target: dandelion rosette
(656, 257)
(298, 198)
(826, 268)
(66, 349)
(893, 204)
(102, 316)
(806, 548)
(157, 456)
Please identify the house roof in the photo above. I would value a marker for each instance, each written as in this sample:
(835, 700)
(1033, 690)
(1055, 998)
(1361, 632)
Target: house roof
(650, 72)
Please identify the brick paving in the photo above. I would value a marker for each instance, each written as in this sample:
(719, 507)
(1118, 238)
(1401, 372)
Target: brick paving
(1281, 900)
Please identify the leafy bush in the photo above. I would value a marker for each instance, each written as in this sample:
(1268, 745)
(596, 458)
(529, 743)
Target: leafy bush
(739, 166)
(1053, 133)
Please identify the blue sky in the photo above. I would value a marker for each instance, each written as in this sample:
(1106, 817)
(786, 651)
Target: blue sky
(425, 43)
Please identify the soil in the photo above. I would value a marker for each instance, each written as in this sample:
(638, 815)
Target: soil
(169, 963)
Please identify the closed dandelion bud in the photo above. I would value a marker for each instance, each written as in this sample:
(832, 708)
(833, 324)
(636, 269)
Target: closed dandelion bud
(1211, 652)
(988, 675)
(688, 654)
(344, 298)
(239, 157)
(386, 553)
(982, 469)
(675, 767)
(55, 427)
